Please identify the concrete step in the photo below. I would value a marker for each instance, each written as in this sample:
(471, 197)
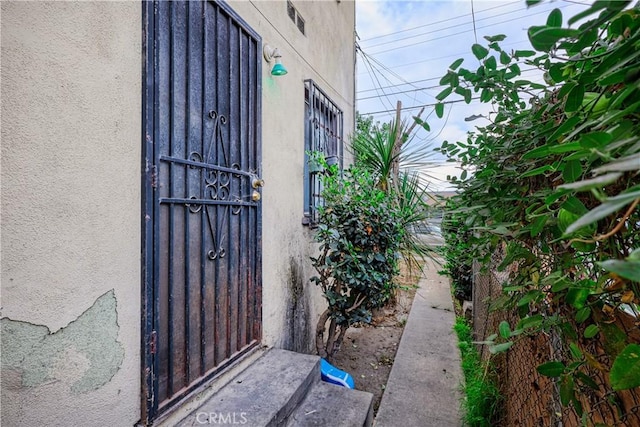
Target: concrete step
(331, 405)
(283, 388)
(264, 394)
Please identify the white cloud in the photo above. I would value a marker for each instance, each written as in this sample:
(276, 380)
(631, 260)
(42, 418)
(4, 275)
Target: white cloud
(437, 175)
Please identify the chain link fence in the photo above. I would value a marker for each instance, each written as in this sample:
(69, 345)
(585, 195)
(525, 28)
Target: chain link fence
(531, 399)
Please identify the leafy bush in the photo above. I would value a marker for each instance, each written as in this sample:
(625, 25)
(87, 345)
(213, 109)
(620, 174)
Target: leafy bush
(359, 233)
(457, 264)
(557, 185)
(369, 219)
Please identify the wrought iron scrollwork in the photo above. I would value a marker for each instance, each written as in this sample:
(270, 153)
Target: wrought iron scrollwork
(194, 208)
(217, 185)
(217, 137)
(218, 182)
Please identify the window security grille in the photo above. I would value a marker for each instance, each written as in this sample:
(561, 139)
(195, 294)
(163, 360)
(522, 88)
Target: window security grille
(323, 134)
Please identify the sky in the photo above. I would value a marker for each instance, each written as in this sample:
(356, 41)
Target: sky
(409, 46)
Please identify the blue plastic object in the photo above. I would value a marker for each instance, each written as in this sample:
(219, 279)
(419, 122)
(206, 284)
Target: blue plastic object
(333, 375)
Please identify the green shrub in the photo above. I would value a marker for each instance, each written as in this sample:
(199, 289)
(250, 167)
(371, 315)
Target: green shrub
(458, 264)
(359, 233)
(556, 187)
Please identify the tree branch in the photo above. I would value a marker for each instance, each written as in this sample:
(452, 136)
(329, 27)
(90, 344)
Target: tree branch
(613, 231)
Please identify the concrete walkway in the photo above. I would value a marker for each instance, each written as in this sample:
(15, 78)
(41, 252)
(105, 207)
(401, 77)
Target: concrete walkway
(422, 390)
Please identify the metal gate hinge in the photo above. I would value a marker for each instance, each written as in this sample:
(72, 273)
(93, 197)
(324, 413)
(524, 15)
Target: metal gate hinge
(154, 176)
(152, 343)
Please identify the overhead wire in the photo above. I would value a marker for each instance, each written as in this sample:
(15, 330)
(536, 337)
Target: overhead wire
(421, 88)
(373, 76)
(402, 91)
(459, 32)
(387, 69)
(370, 59)
(415, 107)
(429, 139)
(437, 22)
(443, 29)
(400, 84)
(539, 80)
(447, 56)
(388, 95)
(378, 67)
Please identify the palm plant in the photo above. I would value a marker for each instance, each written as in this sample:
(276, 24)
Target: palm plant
(390, 153)
(373, 150)
(411, 196)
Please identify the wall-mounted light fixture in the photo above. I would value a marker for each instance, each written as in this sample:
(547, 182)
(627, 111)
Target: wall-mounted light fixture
(273, 54)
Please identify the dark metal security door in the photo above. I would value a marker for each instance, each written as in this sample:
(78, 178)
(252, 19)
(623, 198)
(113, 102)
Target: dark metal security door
(203, 219)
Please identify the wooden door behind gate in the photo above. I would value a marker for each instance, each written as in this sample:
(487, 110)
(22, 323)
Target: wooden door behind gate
(202, 119)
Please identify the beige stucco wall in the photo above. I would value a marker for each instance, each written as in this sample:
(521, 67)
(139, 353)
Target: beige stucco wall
(70, 280)
(71, 193)
(326, 54)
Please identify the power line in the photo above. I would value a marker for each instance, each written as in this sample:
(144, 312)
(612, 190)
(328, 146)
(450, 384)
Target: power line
(431, 104)
(403, 91)
(387, 69)
(370, 62)
(448, 56)
(442, 29)
(387, 95)
(372, 75)
(401, 84)
(456, 34)
(455, 101)
(454, 26)
(381, 69)
(435, 23)
(526, 70)
(381, 65)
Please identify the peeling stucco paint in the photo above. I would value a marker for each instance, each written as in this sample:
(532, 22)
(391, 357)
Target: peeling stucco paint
(86, 352)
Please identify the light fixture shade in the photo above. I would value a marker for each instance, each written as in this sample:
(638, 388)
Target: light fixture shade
(278, 69)
(273, 54)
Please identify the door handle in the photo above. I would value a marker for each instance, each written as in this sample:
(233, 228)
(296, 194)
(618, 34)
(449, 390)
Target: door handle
(257, 182)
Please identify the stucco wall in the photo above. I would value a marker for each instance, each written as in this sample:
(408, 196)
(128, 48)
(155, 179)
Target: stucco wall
(71, 192)
(70, 280)
(326, 54)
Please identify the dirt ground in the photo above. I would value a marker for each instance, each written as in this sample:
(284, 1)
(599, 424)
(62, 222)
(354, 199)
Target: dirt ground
(368, 351)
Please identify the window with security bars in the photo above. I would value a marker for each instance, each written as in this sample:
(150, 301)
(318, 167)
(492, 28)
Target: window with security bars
(323, 137)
